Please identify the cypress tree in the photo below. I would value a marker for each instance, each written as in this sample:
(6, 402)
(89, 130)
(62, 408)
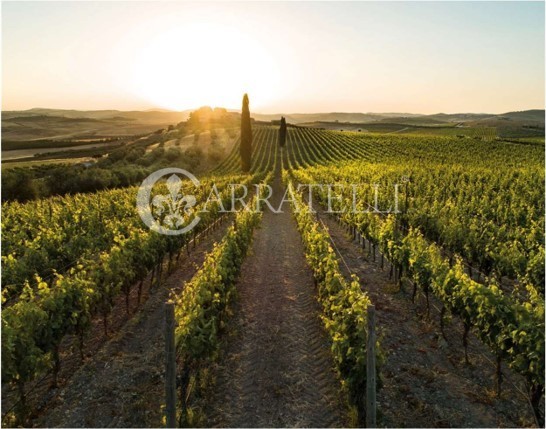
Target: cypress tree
(282, 132)
(246, 137)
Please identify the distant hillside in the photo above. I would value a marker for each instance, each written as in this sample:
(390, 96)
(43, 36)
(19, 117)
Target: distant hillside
(531, 116)
(31, 119)
(149, 116)
(414, 120)
(458, 117)
(161, 116)
(298, 118)
(41, 123)
(525, 116)
(524, 124)
(36, 124)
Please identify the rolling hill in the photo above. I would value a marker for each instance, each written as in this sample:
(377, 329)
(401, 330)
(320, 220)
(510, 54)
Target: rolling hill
(57, 124)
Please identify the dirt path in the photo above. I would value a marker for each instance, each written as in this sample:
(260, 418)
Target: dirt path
(123, 384)
(277, 370)
(426, 382)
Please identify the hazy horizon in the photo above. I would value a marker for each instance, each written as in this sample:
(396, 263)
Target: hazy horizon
(416, 58)
(161, 109)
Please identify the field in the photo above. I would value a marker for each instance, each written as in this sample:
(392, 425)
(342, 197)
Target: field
(42, 124)
(270, 310)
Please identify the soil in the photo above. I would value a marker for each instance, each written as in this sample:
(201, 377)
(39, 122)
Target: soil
(426, 382)
(122, 385)
(277, 369)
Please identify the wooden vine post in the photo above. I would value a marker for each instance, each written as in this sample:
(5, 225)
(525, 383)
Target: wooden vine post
(170, 367)
(370, 370)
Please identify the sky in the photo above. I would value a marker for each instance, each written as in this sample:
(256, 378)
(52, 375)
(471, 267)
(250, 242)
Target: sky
(291, 57)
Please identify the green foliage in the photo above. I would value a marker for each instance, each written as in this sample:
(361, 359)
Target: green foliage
(18, 185)
(202, 305)
(91, 247)
(513, 328)
(493, 219)
(246, 137)
(264, 153)
(125, 166)
(282, 132)
(344, 305)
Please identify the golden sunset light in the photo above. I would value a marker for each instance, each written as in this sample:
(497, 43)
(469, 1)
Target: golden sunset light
(197, 65)
(273, 214)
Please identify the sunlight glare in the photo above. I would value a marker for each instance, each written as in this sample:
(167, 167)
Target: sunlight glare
(204, 65)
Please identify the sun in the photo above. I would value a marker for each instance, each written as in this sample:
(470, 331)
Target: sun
(192, 66)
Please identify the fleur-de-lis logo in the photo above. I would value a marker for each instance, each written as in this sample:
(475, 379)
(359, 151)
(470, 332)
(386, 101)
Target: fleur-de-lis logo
(168, 213)
(176, 206)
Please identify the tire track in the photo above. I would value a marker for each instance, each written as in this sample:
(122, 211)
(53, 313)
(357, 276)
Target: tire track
(277, 370)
